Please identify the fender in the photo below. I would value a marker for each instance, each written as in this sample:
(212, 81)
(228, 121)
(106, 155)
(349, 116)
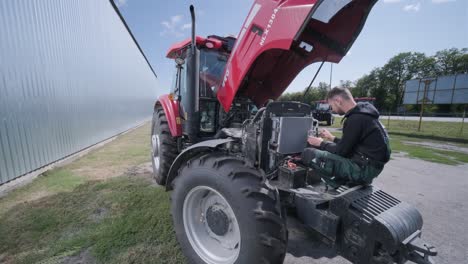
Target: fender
(171, 109)
(189, 153)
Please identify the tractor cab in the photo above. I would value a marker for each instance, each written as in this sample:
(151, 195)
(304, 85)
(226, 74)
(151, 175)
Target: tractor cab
(212, 56)
(198, 72)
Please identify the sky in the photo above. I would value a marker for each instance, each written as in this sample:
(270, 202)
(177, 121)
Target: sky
(393, 26)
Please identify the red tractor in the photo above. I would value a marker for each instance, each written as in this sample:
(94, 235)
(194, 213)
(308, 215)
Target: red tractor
(228, 152)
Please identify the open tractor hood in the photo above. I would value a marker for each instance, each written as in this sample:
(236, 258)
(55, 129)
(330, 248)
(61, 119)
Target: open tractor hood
(279, 38)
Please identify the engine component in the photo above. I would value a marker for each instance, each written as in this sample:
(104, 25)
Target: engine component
(290, 134)
(312, 210)
(291, 178)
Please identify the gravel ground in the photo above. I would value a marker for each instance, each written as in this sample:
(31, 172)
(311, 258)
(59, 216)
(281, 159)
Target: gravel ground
(440, 192)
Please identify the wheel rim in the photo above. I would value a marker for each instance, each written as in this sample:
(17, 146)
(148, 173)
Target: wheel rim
(211, 226)
(155, 143)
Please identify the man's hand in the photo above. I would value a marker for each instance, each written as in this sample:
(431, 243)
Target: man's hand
(314, 141)
(324, 133)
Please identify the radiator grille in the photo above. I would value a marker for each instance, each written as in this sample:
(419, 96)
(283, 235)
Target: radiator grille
(373, 204)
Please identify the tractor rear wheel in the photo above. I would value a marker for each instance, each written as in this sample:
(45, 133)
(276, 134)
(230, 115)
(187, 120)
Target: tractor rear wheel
(224, 213)
(163, 146)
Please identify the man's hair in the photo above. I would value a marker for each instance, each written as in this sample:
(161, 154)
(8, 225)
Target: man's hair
(342, 92)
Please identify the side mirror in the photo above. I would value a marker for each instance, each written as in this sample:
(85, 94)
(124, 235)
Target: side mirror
(179, 61)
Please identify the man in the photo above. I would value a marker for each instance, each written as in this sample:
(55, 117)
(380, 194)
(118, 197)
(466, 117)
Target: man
(360, 155)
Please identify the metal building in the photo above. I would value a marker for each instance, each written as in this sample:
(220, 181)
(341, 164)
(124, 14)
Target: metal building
(71, 75)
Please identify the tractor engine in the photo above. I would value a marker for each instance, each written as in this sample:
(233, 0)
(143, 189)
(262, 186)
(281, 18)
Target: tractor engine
(276, 131)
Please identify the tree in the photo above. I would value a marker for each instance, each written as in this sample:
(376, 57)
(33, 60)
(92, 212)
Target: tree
(451, 61)
(314, 94)
(387, 83)
(383, 96)
(322, 90)
(398, 70)
(366, 83)
(346, 84)
(427, 68)
(462, 62)
(296, 96)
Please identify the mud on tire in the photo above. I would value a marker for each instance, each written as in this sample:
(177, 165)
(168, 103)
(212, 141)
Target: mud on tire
(163, 146)
(206, 227)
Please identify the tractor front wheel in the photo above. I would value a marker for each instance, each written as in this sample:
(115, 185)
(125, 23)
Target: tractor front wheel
(224, 213)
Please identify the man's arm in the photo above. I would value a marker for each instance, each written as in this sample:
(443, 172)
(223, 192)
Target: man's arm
(351, 135)
(325, 134)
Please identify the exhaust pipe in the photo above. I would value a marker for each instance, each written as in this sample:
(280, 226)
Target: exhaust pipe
(191, 107)
(192, 13)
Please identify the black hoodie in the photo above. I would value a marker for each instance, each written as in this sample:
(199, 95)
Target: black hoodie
(362, 134)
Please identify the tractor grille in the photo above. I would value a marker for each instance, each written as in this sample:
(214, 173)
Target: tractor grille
(373, 204)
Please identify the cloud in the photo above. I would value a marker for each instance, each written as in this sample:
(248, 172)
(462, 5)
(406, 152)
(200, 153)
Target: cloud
(186, 26)
(173, 22)
(392, 1)
(412, 7)
(442, 1)
(171, 27)
(120, 3)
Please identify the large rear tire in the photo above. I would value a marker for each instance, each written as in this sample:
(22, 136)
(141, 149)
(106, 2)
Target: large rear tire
(223, 213)
(163, 146)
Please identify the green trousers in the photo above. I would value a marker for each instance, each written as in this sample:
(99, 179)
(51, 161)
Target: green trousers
(336, 170)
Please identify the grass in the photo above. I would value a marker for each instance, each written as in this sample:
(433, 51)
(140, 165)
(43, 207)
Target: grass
(73, 214)
(50, 182)
(397, 144)
(115, 158)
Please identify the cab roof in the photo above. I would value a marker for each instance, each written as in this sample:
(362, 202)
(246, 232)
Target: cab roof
(211, 42)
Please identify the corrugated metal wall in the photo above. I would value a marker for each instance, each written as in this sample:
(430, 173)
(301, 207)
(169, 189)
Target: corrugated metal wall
(70, 76)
